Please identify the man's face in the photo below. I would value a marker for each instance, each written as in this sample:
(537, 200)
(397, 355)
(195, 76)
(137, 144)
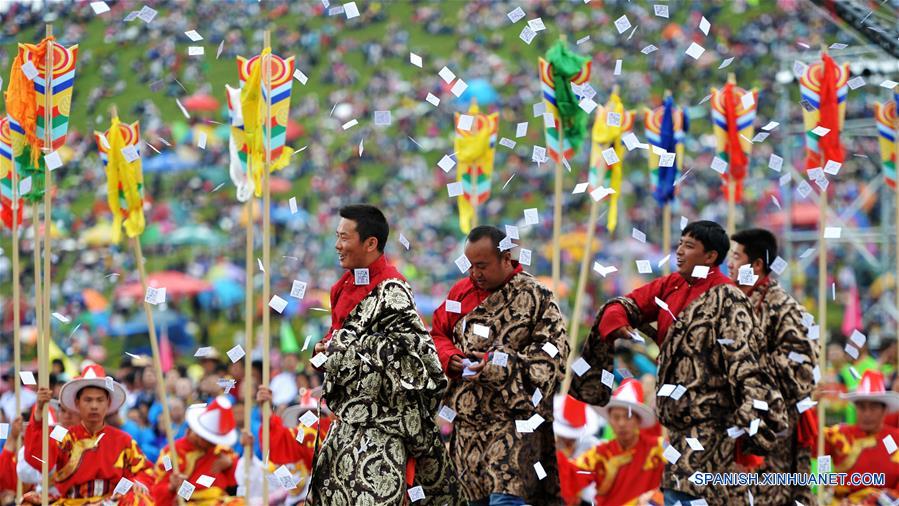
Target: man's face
(690, 253)
(625, 427)
(69, 418)
(92, 404)
(736, 259)
(351, 250)
(870, 415)
(489, 268)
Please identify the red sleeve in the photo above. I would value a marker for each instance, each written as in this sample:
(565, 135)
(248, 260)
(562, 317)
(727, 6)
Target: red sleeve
(571, 479)
(7, 470)
(441, 333)
(32, 443)
(283, 445)
(160, 489)
(615, 316)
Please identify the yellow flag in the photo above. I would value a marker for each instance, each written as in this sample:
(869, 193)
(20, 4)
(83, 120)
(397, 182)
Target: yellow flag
(125, 181)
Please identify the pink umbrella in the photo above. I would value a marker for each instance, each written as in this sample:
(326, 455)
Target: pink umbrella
(175, 283)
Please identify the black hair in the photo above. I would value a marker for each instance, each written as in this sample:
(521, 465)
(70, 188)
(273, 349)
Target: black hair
(496, 236)
(370, 222)
(82, 389)
(711, 235)
(758, 243)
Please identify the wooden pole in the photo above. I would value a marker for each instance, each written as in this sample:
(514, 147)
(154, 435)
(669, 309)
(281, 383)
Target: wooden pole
(557, 221)
(266, 261)
(44, 362)
(666, 237)
(575, 323)
(39, 324)
(16, 318)
(822, 315)
(154, 347)
(248, 332)
(896, 194)
(157, 362)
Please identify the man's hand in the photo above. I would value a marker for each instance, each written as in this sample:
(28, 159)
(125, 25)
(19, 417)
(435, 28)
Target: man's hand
(44, 395)
(454, 367)
(263, 395)
(246, 439)
(15, 428)
(478, 366)
(320, 347)
(175, 481)
(625, 332)
(222, 463)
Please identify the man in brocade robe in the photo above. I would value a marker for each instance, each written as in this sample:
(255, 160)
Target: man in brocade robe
(204, 451)
(92, 457)
(508, 326)
(864, 447)
(383, 382)
(790, 353)
(714, 385)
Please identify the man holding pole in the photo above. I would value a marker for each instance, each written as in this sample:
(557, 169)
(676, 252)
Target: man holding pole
(383, 381)
(93, 461)
(791, 354)
(502, 342)
(717, 397)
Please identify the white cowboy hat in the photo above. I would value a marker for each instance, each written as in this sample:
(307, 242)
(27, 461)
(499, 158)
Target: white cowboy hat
(308, 402)
(630, 395)
(573, 419)
(214, 422)
(92, 376)
(871, 388)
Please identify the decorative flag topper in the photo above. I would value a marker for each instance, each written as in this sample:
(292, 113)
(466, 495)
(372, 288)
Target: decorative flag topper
(475, 149)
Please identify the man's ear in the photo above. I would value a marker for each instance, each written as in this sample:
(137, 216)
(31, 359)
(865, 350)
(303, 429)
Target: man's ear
(370, 244)
(759, 265)
(712, 257)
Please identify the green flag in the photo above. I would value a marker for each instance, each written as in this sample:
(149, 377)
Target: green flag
(289, 342)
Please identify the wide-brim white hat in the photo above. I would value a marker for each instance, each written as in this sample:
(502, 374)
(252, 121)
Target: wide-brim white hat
(630, 395)
(213, 422)
(872, 388)
(587, 420)
(93, 376)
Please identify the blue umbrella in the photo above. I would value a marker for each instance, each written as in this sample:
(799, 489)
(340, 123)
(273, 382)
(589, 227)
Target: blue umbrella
(481, 90)
(174, 323)
(166, 162)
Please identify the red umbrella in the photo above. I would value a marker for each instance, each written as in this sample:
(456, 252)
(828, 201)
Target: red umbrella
(279, 185)
(294, 130)
(201, 102)
(175, 284)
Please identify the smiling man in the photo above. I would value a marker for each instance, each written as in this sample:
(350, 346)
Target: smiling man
(91, 458)
(383, 381)
(713, 372)
(510, 327)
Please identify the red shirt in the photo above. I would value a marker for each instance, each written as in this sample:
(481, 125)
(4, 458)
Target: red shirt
(194, 463)
(346, 294)
(467, 293)
(854, 451)
(673, 289)
(285, 448)
(89, 465)
(7, 470)
(623, 475)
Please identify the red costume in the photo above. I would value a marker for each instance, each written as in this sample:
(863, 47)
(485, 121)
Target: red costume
(673, 289)
(622, 475)
(854, 451)
(195, 462)
(7, 470)
(467, 293)
(89, 466)
(287, 448)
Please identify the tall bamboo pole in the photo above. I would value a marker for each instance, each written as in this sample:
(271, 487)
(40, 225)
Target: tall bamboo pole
(266, 261)
(822, 315)
(896, 171)
(731, 184)
(248, 332)
(666, 237)
(16, 318)
(44, 341)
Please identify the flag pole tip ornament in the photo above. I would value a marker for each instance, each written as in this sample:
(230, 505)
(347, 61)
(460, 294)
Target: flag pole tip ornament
(885, 116)
(214, 422)
(92, 376)
(561, 68)
(7, 166)
(573, 419)
(872, 388)
(824, 85)
(475, 150)
(732, 122)
(666, 128)
(630, 395)
(119, 149)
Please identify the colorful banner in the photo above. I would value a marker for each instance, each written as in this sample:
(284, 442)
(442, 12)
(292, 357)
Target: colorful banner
(824, 89)
(7, 196)
(554, 148)
(26, 104)
(666, 128)
(605, 136)
(732, 123)
(249, 137)
(475, 150)
(888, 127)
(119, 149)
